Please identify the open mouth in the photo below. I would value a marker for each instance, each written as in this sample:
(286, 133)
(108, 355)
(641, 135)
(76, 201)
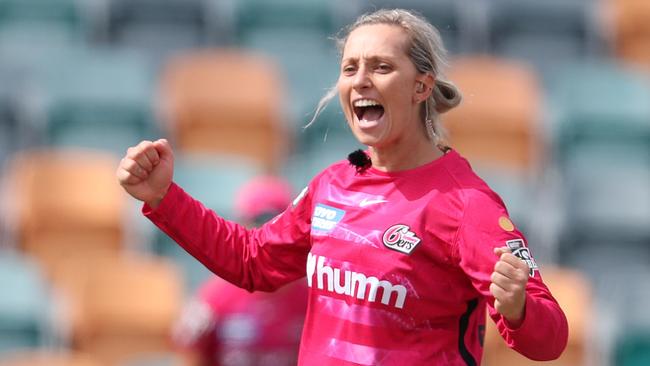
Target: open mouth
(368, 110)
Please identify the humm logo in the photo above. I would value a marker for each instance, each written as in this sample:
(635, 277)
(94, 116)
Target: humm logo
(354, 284)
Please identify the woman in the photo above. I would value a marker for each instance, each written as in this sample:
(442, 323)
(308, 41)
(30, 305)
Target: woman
(405, 247)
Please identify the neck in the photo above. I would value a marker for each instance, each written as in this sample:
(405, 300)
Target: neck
(403, 156)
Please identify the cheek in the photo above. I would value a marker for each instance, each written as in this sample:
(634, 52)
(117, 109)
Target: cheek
(344, 96)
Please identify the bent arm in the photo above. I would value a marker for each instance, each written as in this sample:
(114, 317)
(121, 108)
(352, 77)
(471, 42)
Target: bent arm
(542, 333)
(254, 259)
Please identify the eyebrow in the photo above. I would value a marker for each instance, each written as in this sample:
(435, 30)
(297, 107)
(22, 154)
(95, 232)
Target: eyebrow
(371, 58)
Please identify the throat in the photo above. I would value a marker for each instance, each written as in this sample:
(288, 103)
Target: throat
(395, 158)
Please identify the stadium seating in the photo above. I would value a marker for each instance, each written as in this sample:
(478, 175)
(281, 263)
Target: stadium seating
(159, 27)
(66, 14)
(497, 122)
(629, 20)
(9, 134)
(298, 53)
(46, 357)
(633, 349)
(226, 102)
(66, 203)
(513, 19)
(601, 128)
(82, 73)
(25, 304)
(254, 15)
(573, 292)
(99, 99)
(128, 308)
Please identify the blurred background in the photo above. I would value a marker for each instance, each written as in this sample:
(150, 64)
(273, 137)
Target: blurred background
(555, 117)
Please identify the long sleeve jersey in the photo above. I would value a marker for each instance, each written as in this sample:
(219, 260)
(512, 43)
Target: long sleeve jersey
(398, 264)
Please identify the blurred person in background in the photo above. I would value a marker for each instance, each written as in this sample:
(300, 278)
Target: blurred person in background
(405, 248)
(224, 325)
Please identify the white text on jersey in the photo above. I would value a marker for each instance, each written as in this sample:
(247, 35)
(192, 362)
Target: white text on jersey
(355, 284)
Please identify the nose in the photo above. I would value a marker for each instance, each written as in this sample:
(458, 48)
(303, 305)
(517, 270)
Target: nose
(361, 79)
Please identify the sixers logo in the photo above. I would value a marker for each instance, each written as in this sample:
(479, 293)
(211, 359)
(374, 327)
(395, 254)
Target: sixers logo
(400, 238)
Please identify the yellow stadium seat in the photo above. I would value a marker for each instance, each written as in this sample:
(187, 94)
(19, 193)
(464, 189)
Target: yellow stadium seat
(128, 308)
(66, 203)
(496, 123)
(226, 102)
(49, 358)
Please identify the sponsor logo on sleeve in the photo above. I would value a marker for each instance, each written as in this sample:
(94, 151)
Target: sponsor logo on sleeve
(518, 248)
(400, 238)
(325, 217)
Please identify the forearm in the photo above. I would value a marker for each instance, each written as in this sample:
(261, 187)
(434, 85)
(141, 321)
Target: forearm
(226, 248)
(543, 332)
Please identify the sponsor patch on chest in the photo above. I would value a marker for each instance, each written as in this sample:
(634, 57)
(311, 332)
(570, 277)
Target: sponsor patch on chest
(326, 217)
(399, 237)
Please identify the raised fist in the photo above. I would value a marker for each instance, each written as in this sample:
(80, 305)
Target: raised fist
(146, 171)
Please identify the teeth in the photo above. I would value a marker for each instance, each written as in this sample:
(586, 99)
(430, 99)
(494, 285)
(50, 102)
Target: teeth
(365, 103)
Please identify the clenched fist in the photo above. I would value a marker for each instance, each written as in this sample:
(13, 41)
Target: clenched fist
(146, 171)
(508, 285)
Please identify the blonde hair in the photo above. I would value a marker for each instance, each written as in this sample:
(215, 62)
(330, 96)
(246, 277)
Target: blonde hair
(427, 53)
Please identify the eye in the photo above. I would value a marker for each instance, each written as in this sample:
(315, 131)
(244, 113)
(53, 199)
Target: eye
(348, 69)
(384, 68)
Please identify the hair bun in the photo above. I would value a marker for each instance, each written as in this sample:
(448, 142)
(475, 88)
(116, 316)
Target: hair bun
(446, 96)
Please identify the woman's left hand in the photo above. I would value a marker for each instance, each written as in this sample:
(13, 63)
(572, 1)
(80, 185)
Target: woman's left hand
(509, 286)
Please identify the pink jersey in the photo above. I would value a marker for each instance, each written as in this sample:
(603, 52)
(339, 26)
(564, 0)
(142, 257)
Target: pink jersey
(398, 264)
(248, 329)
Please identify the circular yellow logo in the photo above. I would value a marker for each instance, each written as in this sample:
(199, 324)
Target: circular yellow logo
(506, 224)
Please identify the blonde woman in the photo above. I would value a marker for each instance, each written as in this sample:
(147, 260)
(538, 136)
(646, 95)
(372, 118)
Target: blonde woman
(403, 246)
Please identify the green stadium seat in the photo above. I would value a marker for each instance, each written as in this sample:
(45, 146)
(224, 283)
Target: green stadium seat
(24, 305)
(565, 19)
(601, 131)
(159, 27)
(633, 349)
(66, 14)
(99, 99)
(298, 15)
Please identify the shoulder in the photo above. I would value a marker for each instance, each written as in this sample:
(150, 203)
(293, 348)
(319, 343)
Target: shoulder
(338, 171)
(326, 176)
(478, 207)
(471, 189)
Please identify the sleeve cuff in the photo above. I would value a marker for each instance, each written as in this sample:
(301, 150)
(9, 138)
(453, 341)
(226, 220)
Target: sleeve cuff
(525, 322)
(165, 205)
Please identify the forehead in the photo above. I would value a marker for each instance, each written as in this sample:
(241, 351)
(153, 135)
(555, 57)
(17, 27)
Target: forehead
(376, 40)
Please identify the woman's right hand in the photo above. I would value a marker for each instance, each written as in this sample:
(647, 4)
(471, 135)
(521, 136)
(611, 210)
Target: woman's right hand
(146, 171)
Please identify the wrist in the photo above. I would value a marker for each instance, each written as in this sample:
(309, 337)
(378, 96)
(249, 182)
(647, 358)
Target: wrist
(155, 201)
(515, 319)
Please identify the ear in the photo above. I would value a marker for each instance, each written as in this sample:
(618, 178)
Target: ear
(424, 84)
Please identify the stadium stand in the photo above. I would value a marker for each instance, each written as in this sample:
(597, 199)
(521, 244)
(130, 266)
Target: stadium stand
(242, 116)
(556, 118)
(65, 204)
(25, 304)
